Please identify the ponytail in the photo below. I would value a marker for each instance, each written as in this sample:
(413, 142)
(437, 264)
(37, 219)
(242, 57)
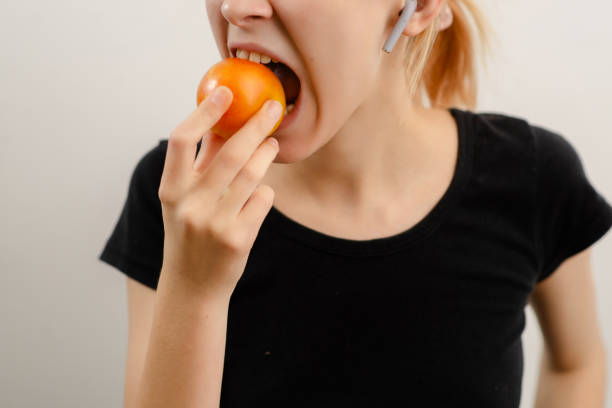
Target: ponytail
(442, 65)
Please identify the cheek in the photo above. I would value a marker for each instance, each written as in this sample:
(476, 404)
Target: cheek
(342, 83)
(331, 97)
(213, 9)
(218, 25)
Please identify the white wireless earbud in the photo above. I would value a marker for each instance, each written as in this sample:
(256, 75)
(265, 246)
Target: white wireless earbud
(407, 13)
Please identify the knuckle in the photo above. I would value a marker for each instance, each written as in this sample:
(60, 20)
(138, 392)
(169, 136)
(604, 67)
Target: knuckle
(232, 159)
(266, 192)
(191, 220)
(250, 175)
(216, 230)
(225, 236)
(236, 242)
(163, 194)
(185, 218)
(191, 226)
(176, 139)
(166, 196)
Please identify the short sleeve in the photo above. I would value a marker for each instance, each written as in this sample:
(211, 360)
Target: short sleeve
(135, 247)
(570, 214)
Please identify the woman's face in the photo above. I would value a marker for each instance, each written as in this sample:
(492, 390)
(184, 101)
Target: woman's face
(335, 48)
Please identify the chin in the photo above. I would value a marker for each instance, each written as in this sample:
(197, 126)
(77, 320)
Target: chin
(284, 157)
(298, 144)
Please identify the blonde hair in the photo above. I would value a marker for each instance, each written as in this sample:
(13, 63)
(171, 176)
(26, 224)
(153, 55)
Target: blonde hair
(442, 65)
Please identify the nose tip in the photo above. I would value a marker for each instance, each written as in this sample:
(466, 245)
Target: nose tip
(241, 12)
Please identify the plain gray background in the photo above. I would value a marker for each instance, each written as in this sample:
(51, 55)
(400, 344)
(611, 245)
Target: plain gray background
(89, 87)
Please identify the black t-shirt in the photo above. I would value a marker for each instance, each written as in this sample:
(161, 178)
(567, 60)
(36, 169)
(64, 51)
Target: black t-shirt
(432, 316)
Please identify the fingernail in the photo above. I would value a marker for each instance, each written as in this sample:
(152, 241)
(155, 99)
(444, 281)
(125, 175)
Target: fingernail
(274, 109)
(220, 94)
(273, 141)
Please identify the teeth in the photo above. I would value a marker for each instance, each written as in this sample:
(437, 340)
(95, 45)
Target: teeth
(254, 56)
(288, 109)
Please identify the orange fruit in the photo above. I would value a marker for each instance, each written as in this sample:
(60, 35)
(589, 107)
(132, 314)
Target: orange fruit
(252, 85)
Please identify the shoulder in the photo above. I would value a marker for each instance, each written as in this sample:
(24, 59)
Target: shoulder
(502, 127)
(529, 161)
(496, 129)
(135, 246)
(150, 166)
(502, 153)
(154, 157)
(497, 132)
(555, 154)
(499, 123)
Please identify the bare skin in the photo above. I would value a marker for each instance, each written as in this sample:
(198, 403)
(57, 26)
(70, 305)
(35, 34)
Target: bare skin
(360, 144)
(384, 211)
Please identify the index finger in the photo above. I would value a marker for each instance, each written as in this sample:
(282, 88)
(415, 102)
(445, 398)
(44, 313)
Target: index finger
(182, 143)
(234, 153)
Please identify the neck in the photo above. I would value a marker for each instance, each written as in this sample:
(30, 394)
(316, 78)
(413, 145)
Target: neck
(387, 147)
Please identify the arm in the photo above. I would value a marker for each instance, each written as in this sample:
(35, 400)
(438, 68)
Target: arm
(573, 370)
(140, 299)
(184, 360)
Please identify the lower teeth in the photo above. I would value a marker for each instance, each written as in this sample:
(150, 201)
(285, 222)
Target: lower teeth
(289, 108)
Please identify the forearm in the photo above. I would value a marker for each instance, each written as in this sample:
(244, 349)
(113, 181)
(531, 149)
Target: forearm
(580, 388)
(184, 361)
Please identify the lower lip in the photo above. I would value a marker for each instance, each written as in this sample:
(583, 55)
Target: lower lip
(287, 120)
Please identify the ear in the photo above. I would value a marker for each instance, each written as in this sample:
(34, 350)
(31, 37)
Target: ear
(425, 13)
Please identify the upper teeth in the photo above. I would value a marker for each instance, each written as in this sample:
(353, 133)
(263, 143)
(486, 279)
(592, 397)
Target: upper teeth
(254, 56)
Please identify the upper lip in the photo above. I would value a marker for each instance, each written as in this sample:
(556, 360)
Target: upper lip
(251, 46)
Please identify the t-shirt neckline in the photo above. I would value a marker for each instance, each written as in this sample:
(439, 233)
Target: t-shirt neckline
(289, 228)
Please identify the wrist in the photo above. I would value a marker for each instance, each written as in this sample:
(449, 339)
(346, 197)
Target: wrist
(188, 293)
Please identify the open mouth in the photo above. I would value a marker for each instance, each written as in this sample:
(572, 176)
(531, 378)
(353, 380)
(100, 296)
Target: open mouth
(287, 77)
(290, 81)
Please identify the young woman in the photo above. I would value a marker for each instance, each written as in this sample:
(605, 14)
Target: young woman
(378, 250)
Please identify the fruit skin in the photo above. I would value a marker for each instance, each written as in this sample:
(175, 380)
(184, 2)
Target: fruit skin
(252, 85)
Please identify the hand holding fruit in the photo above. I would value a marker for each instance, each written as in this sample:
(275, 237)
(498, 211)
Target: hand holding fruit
(213, 208)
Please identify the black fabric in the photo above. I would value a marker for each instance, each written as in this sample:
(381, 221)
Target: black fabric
(571, 214)
(432, 316)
